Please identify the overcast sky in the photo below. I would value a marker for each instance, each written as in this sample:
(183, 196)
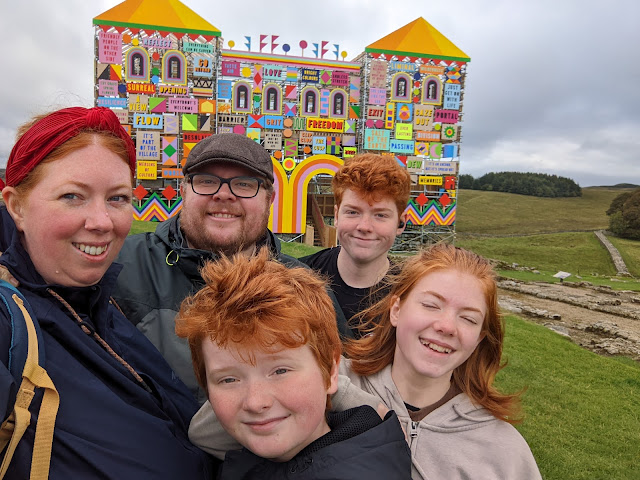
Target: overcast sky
(552, 87)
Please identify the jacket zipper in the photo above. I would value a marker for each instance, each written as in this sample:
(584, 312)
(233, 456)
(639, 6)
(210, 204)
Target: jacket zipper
(413, 432)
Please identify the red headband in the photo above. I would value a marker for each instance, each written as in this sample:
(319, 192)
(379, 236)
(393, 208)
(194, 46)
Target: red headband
(50, 132)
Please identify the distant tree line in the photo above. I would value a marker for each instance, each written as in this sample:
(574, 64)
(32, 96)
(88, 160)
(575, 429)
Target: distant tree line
(534, 184)
(624, 215)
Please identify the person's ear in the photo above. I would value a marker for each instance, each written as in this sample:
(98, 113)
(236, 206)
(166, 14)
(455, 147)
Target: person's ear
(273, 197)
(14, 206)
(183, 186)
(333, 378)
(395, 310)
(402, 223)
(335, 215)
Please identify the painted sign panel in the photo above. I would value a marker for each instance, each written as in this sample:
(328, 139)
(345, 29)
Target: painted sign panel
(375, 139)
(231, 69)
(202, 66)
(402, 67)
(274, 72)
(202, 87)
(166, 90)
(404, 131)
(446, 116)
(388, 116)
(138, 103)
(349, 151)
(340, 79)
(451, 98)
(428, 136)
(404, 112)
(305, 138)
(170, 123)
(122, 114)
(147, 170)
(142, 120)
(110, 48)
(148, 145)
(378, 74)
(193, 137)
(375, 112)
(193, 47)
(325, 125)
(377, 96)
(107, 88)
(401, 146)
(309, 75)
(110, 102)
(144, 88)
(441, 168)
(273, 121)
(423, 117)
(354, 89)
(431, 69)
(319, 145)
(183, 105)
(428, 180)
(159, 43)
(273, 140)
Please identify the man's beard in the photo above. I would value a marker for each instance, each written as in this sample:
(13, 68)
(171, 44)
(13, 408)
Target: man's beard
(199, 238)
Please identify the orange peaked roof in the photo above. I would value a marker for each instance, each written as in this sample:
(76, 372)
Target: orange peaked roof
(418, 39)
(162, 15)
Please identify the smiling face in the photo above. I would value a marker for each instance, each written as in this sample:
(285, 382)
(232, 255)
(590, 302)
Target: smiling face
(438, 326)
(223, 222)
(366, 231)
(275, 408)
(76, 218)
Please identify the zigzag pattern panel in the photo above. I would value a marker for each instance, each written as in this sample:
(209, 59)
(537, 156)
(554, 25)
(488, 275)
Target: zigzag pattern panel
(154, 209)
(433, 214)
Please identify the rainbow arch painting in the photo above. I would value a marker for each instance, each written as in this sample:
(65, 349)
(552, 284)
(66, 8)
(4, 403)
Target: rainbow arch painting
(289, 211)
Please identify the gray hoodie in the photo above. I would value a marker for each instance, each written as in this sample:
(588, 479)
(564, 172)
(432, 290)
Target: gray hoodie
(457, 441)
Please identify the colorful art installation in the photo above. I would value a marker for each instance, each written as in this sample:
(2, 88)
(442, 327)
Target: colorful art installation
(163, 69)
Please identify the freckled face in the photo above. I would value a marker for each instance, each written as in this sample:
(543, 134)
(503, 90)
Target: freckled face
(75, 220)
(366, 231)
(275, 408)
(438, 325)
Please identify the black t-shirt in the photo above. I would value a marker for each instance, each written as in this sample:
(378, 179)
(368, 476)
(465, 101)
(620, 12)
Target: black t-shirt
(351, 300)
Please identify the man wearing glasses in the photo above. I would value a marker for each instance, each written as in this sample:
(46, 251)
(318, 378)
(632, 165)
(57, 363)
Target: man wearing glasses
(227, 193)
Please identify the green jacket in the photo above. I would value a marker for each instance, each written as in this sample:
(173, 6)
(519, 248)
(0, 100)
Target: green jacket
(159, 271)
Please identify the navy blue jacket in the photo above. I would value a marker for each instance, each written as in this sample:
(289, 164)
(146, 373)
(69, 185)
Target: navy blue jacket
(359, 446)
(108, 425)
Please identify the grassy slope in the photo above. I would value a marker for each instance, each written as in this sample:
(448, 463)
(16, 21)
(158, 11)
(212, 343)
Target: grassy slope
(581, 410)
(497, 213)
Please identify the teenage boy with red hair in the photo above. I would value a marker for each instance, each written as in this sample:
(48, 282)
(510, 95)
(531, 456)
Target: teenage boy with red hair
(371, 193)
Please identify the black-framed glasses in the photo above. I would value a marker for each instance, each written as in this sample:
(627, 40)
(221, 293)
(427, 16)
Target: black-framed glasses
(209, 184)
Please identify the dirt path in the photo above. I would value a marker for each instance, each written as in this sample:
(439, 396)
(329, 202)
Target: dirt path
(600, 319)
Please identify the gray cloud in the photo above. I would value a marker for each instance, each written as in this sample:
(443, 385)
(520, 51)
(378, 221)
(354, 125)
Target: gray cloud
(552, 85)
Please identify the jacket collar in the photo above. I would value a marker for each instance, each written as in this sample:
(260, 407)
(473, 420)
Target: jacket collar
(191, 260)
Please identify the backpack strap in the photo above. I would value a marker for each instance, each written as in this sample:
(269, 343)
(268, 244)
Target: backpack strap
(33, 376)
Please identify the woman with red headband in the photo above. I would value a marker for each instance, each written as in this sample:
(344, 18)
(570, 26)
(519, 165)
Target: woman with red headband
(122, 412)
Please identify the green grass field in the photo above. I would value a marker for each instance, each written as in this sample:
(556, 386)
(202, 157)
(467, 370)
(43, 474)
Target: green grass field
(497, 213)
(582, 414)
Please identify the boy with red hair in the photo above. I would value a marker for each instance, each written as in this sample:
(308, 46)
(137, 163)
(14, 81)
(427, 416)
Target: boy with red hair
(266, 349)
(371, 194)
